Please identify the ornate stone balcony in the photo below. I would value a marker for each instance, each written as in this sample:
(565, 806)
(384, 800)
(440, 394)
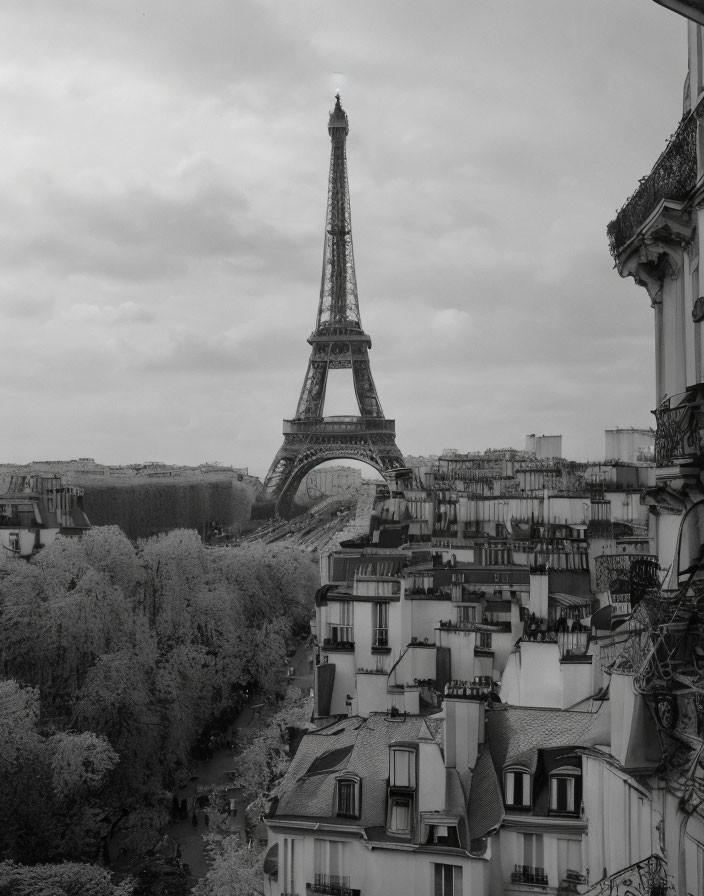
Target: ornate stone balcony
(673, 177)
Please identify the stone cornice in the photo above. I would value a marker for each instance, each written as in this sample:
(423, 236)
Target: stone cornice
(656, 251)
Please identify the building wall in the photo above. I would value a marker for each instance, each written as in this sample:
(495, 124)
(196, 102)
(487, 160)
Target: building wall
(577, 682)
(559, 852)
(544, 446)
(461, 644)
(628, 445)
(532, 676)
(622, 818)
(420, 618)
(392, 872)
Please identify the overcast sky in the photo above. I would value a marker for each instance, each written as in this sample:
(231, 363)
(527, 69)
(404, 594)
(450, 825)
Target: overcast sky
(163, 185)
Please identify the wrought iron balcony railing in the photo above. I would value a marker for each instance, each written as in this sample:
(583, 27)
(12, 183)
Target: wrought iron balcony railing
(673, 177)
(332, 885)
(645, 878)
(680, 428)
(527, 874)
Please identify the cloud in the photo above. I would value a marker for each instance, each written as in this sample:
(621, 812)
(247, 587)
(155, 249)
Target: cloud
(162, 202)
(125, 313)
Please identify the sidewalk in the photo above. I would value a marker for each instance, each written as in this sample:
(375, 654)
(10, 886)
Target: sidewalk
(208, 774)
(214, 773)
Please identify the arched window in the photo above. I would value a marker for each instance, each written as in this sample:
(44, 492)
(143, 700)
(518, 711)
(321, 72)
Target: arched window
(517, 789)
(348, 797)
(565, 789)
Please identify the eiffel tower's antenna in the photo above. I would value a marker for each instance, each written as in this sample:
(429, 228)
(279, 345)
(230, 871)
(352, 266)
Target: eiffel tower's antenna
(338, 341)
(339, 305)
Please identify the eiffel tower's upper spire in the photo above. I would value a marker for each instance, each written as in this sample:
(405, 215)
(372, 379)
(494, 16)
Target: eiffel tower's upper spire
(339, 305)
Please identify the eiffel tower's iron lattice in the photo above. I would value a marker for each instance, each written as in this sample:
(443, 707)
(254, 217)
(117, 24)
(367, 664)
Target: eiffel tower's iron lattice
(338, 341)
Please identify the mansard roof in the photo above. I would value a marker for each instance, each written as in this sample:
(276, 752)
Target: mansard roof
(356, 747)
(516, 733)
(486, 805)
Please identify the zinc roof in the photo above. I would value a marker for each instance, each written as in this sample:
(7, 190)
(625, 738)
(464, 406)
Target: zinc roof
(516, 733)
(308, 788)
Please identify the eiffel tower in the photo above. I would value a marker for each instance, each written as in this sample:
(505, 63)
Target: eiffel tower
(338, 341)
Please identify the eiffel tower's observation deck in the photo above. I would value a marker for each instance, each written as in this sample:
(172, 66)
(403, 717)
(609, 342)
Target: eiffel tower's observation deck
(329, 425)
(338, 342)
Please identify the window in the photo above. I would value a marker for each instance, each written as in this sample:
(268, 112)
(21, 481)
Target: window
(400, 816)
(341, 624)
(517, 788)
(569, 857)
(402, 768)
(290, 864)
(347, 797)
(329, 863)
(533, 850)
(694, 862)
(563, 789)
(447, 880)
(466, 614)
(443, 835)
(484, 640)
(380, 634)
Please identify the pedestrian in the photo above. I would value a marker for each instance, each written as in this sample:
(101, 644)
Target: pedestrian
(194, 819)
(183, 811)
(206, 820)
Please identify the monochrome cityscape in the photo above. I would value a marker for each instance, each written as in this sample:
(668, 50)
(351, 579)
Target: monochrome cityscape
(369, 672)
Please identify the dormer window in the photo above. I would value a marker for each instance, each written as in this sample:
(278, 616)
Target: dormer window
(565, 789)
(441, 831)
(348, 797)
(517, 788)
(400, 816)
(402, 767)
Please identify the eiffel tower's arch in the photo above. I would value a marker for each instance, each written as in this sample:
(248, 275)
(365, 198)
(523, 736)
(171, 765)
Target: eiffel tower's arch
(335, 438)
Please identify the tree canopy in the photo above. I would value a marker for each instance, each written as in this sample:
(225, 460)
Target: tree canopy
(115, 658)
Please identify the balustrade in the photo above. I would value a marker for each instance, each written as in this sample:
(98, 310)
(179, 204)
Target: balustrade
(527, 874)
(332, 885)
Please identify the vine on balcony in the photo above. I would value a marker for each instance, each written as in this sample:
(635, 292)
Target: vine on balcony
(673, 176)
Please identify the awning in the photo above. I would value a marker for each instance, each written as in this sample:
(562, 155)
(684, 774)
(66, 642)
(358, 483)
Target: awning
(570, 600)
(271, 861)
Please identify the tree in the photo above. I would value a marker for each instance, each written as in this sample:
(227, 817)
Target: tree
(80, 763)
(131, 655)
(68, 879)
(26, 828)
(236, 870)
(264, 758)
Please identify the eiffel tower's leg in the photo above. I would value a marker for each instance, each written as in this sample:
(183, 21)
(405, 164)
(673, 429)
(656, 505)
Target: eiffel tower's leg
(280, 472)
(367, 399)
(312, 398)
